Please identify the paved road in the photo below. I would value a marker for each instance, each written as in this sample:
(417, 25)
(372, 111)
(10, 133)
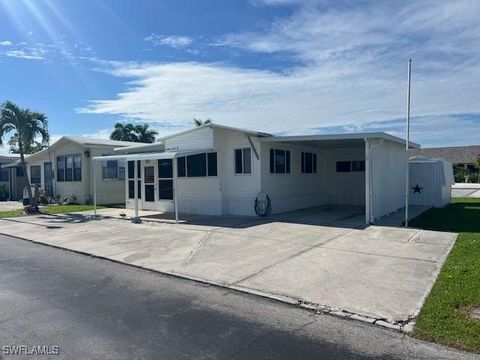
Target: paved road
(96, 309)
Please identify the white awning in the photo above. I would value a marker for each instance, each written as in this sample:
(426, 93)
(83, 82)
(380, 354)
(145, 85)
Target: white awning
(151, 156)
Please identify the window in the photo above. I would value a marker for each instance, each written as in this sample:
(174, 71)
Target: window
(131, 169)
(77, 168)
(19, 172)
(131, 180)
(131, 189)
(344, 166)
(181, 167)
(148, 175)
(121, 169)
(165, 170)
(109, 169)
(69, 168)
(349, 166)
(5, 174)
(165, 189)
(279, 161)
(358, 165)
(61, 168)
(36, 174)
(212, 164)
(243, 161)
(309, 163)
(198, 165)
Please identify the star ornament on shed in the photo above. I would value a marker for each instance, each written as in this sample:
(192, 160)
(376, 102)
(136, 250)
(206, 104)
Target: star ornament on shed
(417, 189)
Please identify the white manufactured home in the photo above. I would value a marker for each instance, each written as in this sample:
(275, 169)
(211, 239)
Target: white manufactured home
(219, 170)
(64, 170)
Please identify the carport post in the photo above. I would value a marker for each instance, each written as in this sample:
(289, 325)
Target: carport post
(135, 187)
(407, 144)
(175, 188)
(94, 188)
(367, 182)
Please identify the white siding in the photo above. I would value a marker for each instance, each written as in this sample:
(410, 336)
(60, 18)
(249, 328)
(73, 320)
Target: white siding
(294, 191)
(199, 196)
(388, 167)
(238, 190)
(345, 188)
(435, 179)
(194, 140)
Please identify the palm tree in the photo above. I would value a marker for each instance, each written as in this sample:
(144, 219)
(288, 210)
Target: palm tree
(36, 146)
(199, 122)
(145, 134)
(27, 126)
(124, 132)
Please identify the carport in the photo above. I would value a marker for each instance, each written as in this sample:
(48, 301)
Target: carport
(361, 169)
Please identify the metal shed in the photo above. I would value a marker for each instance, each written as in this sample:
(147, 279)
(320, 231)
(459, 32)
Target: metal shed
(431, 181)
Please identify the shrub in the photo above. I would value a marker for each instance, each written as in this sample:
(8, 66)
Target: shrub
(3, 193)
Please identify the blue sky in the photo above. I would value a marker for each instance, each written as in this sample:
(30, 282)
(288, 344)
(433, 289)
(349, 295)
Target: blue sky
(280, 66)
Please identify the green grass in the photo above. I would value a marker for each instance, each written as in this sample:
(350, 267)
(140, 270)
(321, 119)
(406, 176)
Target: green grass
(50, 210)
(444, 318)
(61, 209)
(11, 213)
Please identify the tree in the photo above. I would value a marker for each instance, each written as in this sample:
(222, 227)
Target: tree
(31, 149)
(199, 122)
(27, 127)
(133, 133)
(145, 133)
(124, 132)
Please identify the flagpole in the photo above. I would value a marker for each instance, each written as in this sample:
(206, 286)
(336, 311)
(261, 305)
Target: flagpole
(407, 144)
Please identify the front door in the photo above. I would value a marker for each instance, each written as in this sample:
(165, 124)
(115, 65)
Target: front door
(48, 178)
(149, 185)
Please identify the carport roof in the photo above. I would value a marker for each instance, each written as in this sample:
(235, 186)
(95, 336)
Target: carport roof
(337, 140)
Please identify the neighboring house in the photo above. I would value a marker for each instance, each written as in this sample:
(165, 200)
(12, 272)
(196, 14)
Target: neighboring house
(220, 170)
(12, 176)
(64, 170)
(464, 156)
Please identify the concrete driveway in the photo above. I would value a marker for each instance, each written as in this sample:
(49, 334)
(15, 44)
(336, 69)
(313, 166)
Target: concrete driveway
(378, 274)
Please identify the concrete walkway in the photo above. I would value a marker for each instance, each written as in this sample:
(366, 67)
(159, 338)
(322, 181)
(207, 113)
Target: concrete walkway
(10, 205)
(377, 274)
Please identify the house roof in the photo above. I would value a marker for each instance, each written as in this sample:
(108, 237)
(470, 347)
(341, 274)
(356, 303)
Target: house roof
(146, 147)
(332, 140)
(100, 142)
(9, 158)
(83, 141)
(454, 154)
(9, 161)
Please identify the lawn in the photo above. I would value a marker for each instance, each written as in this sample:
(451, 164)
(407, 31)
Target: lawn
(61, 209)
(50, 209)
(444, 317)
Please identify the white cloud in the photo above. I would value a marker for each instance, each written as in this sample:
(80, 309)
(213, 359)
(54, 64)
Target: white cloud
(350, 71)
(5, 43)
(32, 54)
(173, 41)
